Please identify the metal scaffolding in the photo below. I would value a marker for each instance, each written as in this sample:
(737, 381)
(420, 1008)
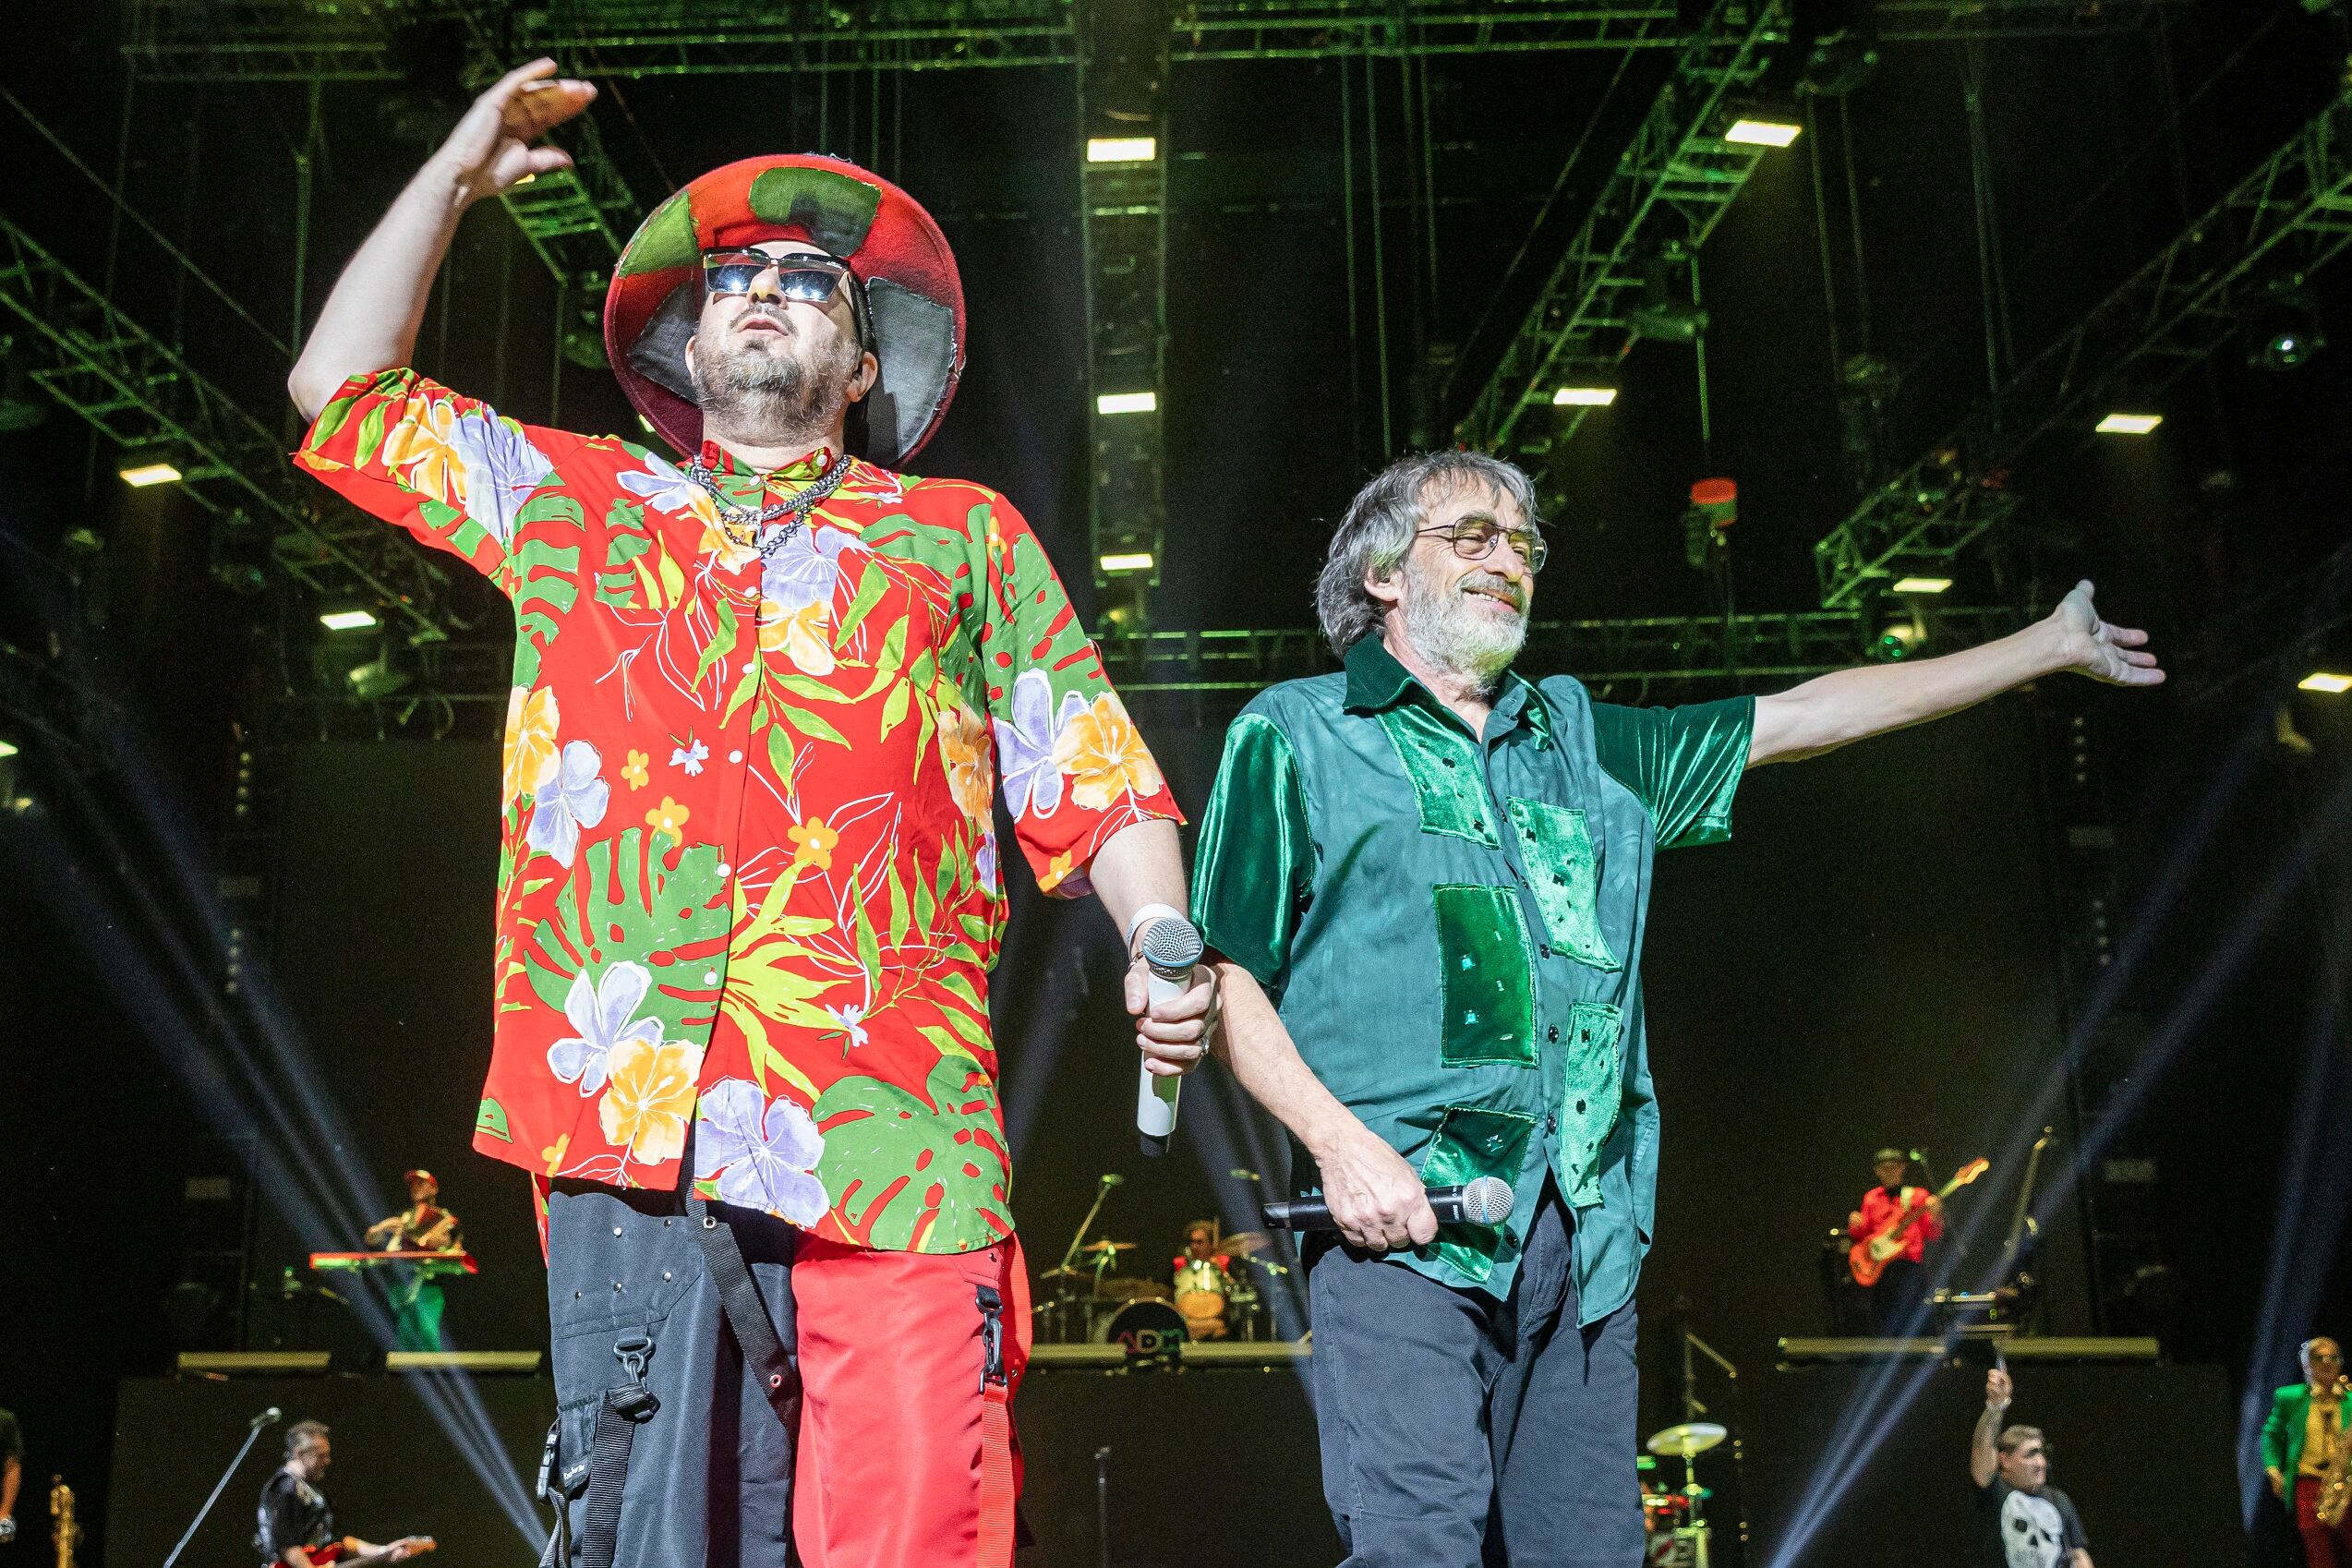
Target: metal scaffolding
(2286, 219)
(1669, 189)
(142, 394)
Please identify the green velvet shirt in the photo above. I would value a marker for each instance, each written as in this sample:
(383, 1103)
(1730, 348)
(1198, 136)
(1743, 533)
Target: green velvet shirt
(1452, 927)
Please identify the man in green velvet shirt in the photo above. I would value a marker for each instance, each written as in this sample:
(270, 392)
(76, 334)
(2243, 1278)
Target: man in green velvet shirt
(1427, 878)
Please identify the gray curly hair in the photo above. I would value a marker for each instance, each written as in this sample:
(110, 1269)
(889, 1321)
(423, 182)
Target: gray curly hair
(1379, 528)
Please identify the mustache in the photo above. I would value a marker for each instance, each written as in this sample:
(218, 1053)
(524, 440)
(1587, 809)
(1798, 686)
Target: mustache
(1495, 583)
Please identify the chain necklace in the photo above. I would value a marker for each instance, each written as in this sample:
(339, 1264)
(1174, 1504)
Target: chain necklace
(733, 517)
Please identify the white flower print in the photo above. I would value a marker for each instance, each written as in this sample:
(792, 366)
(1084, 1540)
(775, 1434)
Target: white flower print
(602, 1012)
(572, 797)
(690, 756)
(763, 1153)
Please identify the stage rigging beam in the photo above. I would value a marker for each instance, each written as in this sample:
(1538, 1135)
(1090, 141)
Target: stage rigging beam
(1123, 177)
(2286, 219)
(1899, 21)
(1669, 189)
(141, 394)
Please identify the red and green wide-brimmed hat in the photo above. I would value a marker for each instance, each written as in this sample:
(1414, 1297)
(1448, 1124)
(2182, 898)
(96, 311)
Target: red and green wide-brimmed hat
(912, 290)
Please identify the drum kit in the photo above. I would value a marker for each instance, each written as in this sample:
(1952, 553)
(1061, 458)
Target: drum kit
(1673, 1527)
(1212, 1293)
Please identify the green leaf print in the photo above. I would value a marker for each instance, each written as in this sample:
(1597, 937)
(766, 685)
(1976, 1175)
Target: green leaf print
(623, 903)
(875, 1134)
(490, 1120)
(870, 590)
(809, 724)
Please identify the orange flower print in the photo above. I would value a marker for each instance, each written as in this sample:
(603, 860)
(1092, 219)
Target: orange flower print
(633, 770)
(813, 843)
(732, 554)
(648, 1099)
(803, 635)
(553, 1153)
(1102, 756)
(531, 750)
(669, 817)
(1058, 869)
(419, 448)
(963, 744)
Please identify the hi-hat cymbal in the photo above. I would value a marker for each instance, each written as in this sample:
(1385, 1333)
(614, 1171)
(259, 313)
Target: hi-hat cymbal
(1682, 1442)
(1241, 1243)
(1108, 1246)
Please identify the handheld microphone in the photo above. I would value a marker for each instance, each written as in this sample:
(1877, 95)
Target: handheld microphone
(1172, 947)
(266, 1418)
(1485, 1201)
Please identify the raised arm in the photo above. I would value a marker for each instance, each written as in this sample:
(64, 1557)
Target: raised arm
(370, 319)
(1983, 1451)
(1852, 705)
(1376, 1197)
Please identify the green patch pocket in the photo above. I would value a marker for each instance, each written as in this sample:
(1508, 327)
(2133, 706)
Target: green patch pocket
(1558, 854)
(1489, 978)
(1593, 1091)
(1472, 1141)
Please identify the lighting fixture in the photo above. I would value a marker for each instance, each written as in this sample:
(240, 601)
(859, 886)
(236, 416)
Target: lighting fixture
(375, 679)
(1584, 397)
(1122, 148)
(139, 476)
(1127, 403)
(2325, 681)
(1136, 560)
(347, 620)
(1752, 130)
(2128, 424)
(1923, 584)
(8, 748)
(2286, 326)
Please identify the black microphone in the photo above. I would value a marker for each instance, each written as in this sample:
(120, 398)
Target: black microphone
(266, 1418)
(1485, 1201)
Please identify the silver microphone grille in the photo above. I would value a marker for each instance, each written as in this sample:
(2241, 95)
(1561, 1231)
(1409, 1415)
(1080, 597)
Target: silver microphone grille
(1486, 1201)
(1171, 944)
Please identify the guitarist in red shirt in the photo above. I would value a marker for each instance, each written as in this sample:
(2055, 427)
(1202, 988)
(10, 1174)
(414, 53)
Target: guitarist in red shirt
(1896, 1289)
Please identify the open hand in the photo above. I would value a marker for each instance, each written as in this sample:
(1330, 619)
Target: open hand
(1377, 1200)
(2115, 655)
(1175, 1034)
(490, 150)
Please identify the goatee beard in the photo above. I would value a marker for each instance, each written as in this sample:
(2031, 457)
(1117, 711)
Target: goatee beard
(775, 398)
(1455, 638)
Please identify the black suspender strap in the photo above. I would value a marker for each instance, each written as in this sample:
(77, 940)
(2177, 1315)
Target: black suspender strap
(746, 1313)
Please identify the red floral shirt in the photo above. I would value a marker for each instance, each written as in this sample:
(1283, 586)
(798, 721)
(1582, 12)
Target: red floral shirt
(748, 876)
(1878, 1211)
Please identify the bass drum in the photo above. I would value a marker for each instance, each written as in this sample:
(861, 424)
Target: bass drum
(1146, 1329)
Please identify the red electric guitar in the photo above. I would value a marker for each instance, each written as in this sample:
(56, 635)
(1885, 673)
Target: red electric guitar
(321, 1555)
(1869, 1256)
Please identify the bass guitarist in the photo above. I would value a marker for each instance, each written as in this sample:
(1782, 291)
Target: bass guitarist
(297, 1528)
(1895, 1291)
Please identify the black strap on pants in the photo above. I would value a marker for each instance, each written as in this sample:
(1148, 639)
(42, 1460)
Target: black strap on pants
(746, 1313)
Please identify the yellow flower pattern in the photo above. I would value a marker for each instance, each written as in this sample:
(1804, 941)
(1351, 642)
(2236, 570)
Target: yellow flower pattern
(804, 637)
(963, 744)
(531, 750)
(418, 449)
(669, 818)
(1103, 758)
(650, 1095)
(634, 769)
(813, 843)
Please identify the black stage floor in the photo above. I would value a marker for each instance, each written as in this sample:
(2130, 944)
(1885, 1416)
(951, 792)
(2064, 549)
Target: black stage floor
(1218, 1465)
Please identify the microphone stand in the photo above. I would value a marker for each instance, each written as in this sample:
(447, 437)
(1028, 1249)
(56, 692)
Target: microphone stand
(251, 1432)
(1102, 1190)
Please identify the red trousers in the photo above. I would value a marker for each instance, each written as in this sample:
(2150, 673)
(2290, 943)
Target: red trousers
(892, 1469)
(2323, 1547)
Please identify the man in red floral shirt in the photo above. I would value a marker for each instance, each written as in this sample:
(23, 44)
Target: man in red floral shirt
(749, 890)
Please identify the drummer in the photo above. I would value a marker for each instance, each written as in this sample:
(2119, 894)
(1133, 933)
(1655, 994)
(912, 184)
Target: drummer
(1203, 1281)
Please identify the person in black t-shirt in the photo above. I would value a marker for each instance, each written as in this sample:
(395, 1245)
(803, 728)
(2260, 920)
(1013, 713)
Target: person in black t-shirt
(2022, 1520)
(297, 1528)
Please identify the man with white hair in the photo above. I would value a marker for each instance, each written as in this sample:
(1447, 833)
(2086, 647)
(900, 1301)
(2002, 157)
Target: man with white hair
(1427, 879)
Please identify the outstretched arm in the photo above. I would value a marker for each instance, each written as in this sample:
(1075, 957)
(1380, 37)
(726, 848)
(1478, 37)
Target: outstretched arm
(1376, 1198)
(370, 319)
(1983, 1454)
(1852, 705)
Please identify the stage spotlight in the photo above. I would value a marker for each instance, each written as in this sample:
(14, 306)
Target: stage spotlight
(1664, 312)
(1121, 148)
(1127, 403)
(1922, 585)
(1762, 131)
(1838, 63)
(8, 749)
(2286, 326)
(352, 619)
(141, 470)
(2120, 424)
(1898, 640)
(375, 679)
(2326, 681)
(1133, 560)
(1584, 397)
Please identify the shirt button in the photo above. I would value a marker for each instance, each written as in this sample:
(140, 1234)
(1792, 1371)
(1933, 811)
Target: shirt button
(710, 977)
(734, 756)
(1545, 949)
(1551, 1123)
(1553, 1034)
(725, 870)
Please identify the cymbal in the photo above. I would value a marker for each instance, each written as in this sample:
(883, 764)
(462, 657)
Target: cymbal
(1126, 1288)
(1108, 1246)
(1690, 1438)
(1241, 1243)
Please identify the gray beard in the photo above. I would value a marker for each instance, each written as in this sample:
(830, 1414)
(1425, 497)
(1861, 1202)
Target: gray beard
(1455, 638)
(774, 399)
